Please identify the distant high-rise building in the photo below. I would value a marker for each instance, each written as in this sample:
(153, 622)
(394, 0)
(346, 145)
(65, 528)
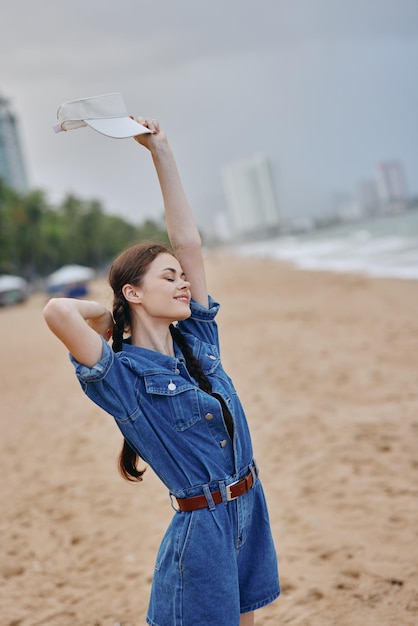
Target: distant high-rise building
(12, 169)
(251, 197)
(391, 187)
(368, 197)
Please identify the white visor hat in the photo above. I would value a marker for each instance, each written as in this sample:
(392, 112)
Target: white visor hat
(107, 114)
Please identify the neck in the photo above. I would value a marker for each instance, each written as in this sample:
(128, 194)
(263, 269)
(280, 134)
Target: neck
(156, 337)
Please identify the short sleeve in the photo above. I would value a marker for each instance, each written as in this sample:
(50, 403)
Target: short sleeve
(202, 324)
(99, 370)
(110, 383)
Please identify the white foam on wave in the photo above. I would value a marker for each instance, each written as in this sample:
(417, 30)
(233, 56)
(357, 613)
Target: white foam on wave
(390, 256)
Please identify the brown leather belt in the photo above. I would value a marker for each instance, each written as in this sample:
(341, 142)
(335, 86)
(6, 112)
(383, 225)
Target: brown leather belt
(233, 491)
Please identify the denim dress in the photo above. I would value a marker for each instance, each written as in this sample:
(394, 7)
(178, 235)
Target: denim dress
(213, 563)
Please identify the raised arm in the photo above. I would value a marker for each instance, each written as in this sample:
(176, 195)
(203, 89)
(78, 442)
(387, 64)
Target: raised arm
(181, 226)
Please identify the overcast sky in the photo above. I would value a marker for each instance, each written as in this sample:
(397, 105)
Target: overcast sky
(326, 88)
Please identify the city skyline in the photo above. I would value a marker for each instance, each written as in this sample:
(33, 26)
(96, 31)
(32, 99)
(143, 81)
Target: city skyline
(324, 89)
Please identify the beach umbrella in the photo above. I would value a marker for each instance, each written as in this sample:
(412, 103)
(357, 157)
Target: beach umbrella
(12, 283)
(70, 274)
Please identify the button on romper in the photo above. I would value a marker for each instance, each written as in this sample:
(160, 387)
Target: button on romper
(213, 563)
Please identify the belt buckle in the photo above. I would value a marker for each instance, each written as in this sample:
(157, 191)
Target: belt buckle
(229, 495)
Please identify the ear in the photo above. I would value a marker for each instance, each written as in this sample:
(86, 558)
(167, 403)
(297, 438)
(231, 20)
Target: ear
(132, 293)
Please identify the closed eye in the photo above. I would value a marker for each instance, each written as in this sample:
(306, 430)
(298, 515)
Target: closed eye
(172, 274)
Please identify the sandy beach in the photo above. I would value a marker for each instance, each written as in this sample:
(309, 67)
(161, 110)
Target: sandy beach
(326, 366)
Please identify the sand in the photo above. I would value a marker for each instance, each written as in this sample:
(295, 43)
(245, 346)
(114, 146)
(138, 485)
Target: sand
(326, 366)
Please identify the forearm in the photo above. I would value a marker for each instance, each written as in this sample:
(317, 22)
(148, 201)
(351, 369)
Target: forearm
(182, 229)
(181, 226)
(65, 314)
(65, 307)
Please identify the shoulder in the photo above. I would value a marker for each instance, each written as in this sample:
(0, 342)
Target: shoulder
(202, 313)
(202, 323)
(201, 327)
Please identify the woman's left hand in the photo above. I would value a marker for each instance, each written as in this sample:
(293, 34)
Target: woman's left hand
(152, 139)
(103, 325)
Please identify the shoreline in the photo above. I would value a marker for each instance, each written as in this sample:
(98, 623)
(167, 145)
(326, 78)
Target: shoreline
(377, 247)
(291, 264)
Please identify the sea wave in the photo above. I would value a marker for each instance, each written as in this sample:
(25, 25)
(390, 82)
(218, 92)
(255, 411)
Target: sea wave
(386, 247)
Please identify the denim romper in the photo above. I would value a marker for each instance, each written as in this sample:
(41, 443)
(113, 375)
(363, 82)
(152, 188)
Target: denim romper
(220, 561)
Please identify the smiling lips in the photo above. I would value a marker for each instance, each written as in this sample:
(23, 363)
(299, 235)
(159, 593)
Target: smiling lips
(185, 299)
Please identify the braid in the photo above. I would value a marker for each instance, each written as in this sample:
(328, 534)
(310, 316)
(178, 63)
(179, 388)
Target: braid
(128, 463)
(195, 369)
(192, 364)
(129, 267)
(128, 458)
(122, 318)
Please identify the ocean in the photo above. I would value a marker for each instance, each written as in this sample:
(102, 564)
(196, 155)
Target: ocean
(385, 246)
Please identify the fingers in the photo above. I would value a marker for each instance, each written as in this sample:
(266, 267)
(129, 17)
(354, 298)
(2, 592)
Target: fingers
(150, 123)
(152, 139)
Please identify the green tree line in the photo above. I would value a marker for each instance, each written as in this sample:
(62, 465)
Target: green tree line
(36, 238)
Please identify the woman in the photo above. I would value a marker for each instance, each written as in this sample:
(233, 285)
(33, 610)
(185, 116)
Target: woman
(178, 410)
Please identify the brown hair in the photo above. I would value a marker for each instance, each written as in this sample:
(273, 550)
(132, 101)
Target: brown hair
(130, 267)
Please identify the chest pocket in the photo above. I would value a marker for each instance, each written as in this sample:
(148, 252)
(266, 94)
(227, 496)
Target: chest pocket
(175, 399)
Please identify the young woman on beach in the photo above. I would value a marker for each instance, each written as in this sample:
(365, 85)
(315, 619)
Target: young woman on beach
(163, 382)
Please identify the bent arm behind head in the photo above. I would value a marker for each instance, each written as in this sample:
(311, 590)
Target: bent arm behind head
(79, 325)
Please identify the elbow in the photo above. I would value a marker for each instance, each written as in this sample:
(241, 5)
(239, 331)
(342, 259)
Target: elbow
(49, 310)
(53, 312)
